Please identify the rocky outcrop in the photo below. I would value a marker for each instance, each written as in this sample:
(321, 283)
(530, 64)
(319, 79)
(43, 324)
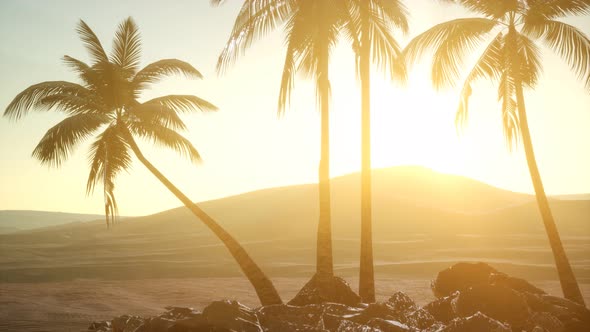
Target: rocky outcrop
(472, 297)
(326, 289)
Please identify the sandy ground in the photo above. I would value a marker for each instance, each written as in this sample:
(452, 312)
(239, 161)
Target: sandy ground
(71, 306)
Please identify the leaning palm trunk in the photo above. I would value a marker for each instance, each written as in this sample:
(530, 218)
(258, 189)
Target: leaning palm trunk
(569, 284)
(267, 294)
(324, 237)
(366, 273)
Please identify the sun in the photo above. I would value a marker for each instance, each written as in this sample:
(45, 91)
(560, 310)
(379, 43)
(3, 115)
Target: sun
(414, 125)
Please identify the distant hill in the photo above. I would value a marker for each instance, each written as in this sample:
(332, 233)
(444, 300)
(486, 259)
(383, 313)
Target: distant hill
(423, 221)
(575, 197)
(18, 220)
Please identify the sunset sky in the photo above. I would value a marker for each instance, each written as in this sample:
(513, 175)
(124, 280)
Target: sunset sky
(245, 146)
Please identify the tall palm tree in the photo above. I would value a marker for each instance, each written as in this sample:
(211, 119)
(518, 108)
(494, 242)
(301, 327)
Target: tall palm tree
(106, 101)
(373, 41)
(512, 59)
(311, 29)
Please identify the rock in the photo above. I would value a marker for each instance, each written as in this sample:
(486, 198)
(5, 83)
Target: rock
(517, 284)
(420, 319)
(100, 326)
(126, 323)
(573, 316)
(441, 309)
(547, 322)
(497, 302)
(476, 323)
(402, 303)
(388, 325)
(232, 315)
(179, 312)
(348, 326)
(283, 317)
(155, 324)
(376, 310)
(461, 276)
(326, 289)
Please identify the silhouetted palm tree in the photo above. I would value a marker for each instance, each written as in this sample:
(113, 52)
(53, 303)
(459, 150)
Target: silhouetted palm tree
(106, 101)
(373, 41)
(311, 29)
(513, 60)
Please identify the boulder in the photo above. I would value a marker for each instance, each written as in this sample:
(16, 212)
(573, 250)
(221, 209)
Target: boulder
(461, 276)
(126, 323)
(348, 326)
(401, 303)
(442, 309)
(388, 325)
(498, 302)
(420, 319)
(517, 284)
(376, 310)
(283, 317)
(232, 315)
(326, 289)
(155, 324)
(476, 323)
(547, 322)
(100, 326)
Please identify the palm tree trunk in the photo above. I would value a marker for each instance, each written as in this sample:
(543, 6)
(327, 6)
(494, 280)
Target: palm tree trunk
(569, 284)
(366, 273)
(324, 263)
(267, 294)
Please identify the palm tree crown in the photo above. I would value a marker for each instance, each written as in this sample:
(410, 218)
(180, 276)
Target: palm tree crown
(106, 101)
(513, 26)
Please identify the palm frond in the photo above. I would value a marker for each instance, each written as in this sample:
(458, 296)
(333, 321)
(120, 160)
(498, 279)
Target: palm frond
(549, 9)
(316, 28)
(460, 38)
(92, 43)
(567, 41)
(297, 40)
(108, 156)
(488, 66)
(255, 19)
(59, 141)
(162, 68)
(394, 12)
(386, 52)
(510, 123)
(450, 41)
(287, 80)
(530, 61)
(183, 103)
(127, 46)
(157, 114)
(72, 104)
(30, 98)
(167, 138)
(491, 9)
(84, 71)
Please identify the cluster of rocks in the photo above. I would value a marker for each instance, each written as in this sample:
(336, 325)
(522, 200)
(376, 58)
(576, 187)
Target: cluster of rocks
(471, 297)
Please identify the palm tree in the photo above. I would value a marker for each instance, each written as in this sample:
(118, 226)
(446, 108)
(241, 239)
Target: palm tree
(107, 101)
(373, 41)
(513, 60)
(311, 29)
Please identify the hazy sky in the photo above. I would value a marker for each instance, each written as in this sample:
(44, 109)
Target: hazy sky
(244, 145)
